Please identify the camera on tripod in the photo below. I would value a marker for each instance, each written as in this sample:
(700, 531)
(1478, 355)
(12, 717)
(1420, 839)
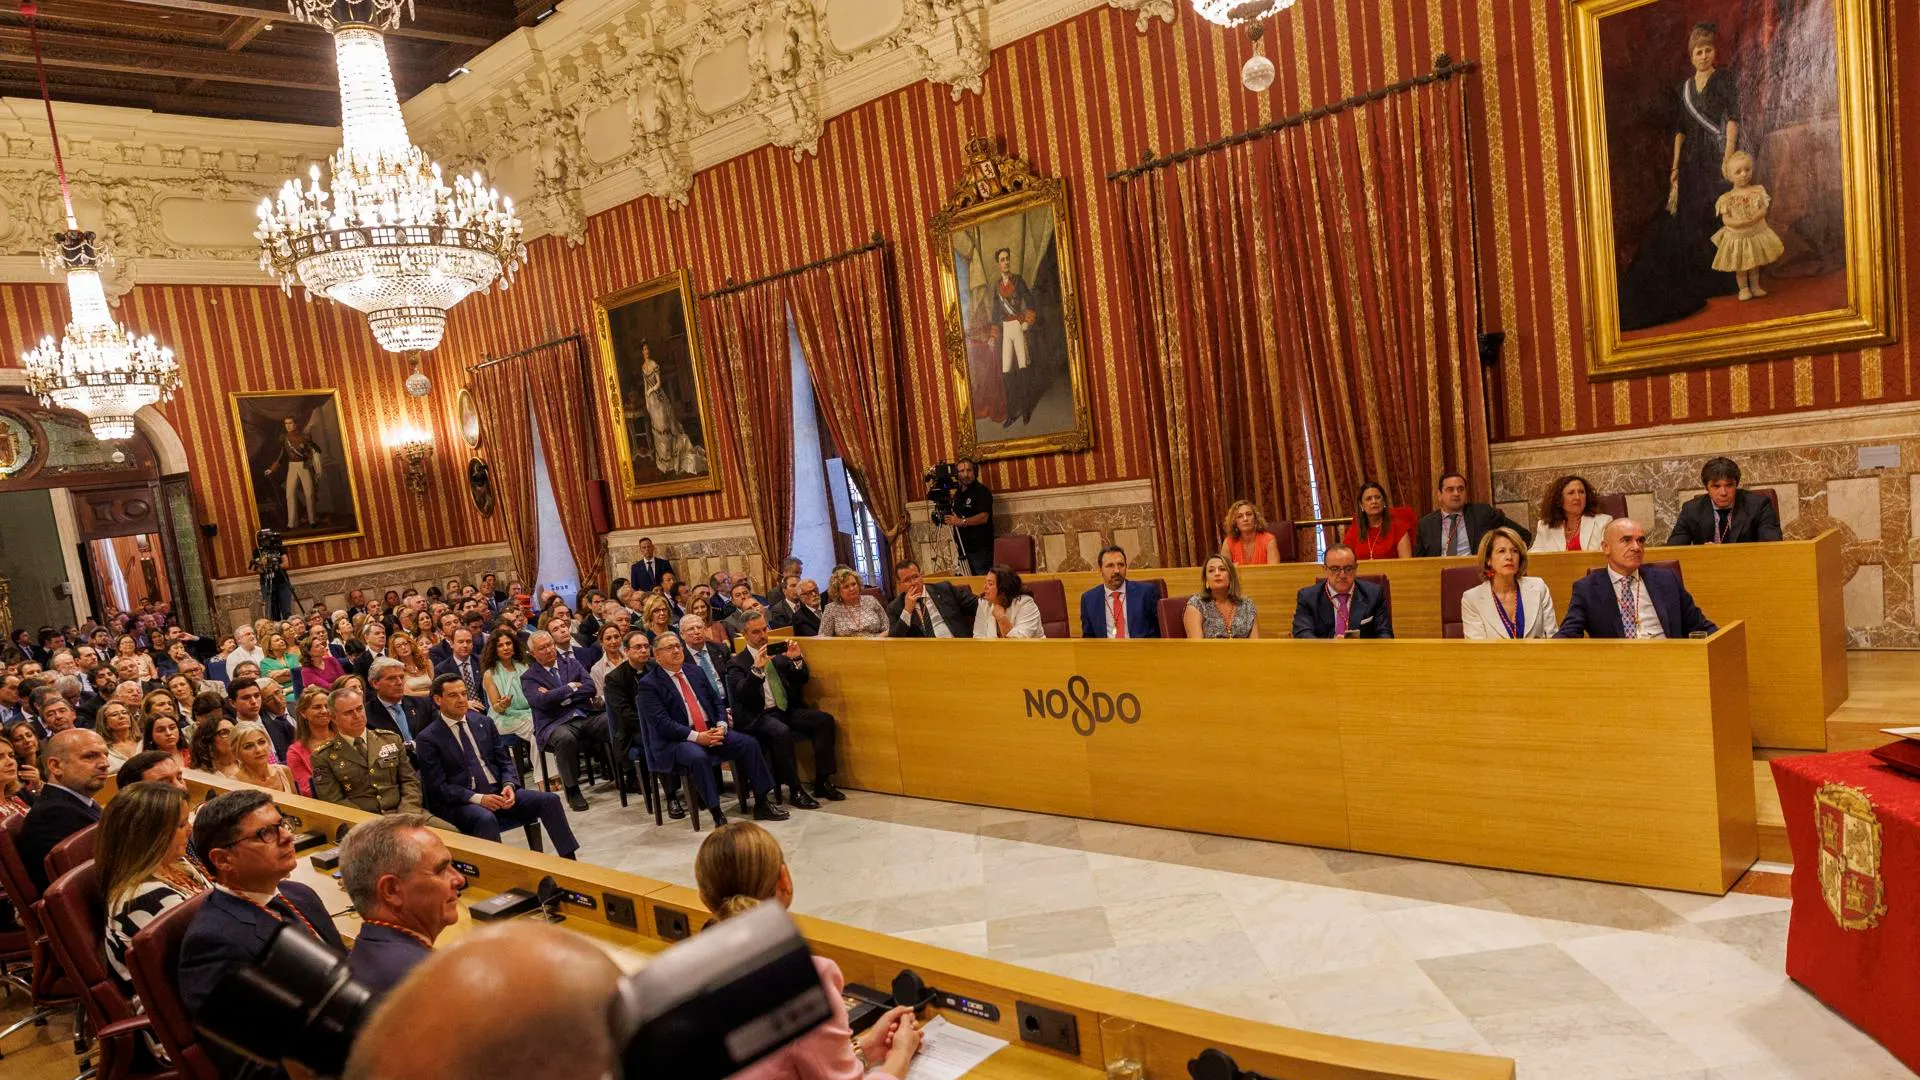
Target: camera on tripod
(942, 481)
(270, 552)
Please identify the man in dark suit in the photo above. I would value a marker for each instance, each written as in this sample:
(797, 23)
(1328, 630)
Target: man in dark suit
(442, 650)
(709, 648)
(566, 718)
(76, 763)
(1456, 525)
(787, 609)
(683, 725)
(1627, 600)
(248, 848)
(275, 718)
(400, 877)
(1725, 514)
(768, 695)
(647, 568)
(622, 690)
(11, 711)
(462, 661)
(561, 627)
(374, 637)
(931, 611)
(388, 706)
(468, 777)
(1118, 608)
(1338, 603)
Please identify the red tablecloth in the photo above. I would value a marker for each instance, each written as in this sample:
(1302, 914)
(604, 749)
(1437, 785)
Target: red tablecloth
(1854, 936)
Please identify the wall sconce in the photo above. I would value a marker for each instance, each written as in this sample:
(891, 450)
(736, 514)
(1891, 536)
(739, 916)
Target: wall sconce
(412, 448)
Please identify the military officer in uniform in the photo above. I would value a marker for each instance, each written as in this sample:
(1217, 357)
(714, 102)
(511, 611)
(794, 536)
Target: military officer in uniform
(366, 768)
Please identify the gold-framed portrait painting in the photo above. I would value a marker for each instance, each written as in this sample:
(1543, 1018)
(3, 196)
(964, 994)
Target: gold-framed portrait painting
(1733, 161)
(1004, 247)
(299, 481)
(654, 378)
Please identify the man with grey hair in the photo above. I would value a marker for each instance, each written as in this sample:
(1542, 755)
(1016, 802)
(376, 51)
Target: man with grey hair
(388, 706)
(400, 877)
(567, 716)
(363, 767)
(55, 711)
(246, 646)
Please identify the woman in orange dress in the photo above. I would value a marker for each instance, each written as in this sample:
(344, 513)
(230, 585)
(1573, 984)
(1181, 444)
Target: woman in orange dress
(1248, 542)
(1377, 531)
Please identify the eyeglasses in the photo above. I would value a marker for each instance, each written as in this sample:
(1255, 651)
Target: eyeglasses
(271, 833)
(1341, 570)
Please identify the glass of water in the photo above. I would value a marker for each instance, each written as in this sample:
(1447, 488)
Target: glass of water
(1121, 1049)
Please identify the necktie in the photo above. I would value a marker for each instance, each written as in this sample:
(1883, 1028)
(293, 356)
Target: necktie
(1453, 535)
(400, 721)
(1629, 609)
(360, 745)
(1119, 616)
(695, 714)
(1342, 613)
(706, 664)
(922, 625)
(1721, 522)
(776, 688)
(473, 684)
(475, 772)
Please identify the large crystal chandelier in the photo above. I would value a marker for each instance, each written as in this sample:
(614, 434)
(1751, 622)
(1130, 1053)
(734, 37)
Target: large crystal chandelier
(1234, 12)
(385, 235)
(97, 368)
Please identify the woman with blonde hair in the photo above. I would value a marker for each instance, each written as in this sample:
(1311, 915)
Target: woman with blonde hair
(1219, 609)
(741, 866)
(656, 616)
(405, 648)
(850, 612)
(1248, 542)
(253, 760)
(117, 724)
(1509, 604)
(141, 859)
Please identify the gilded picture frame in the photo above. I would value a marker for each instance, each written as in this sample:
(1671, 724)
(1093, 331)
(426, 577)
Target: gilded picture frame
(1666, 224)
(653, 378)
(300, 482)
(1011, 310)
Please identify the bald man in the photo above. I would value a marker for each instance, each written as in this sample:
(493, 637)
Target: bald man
(442, 1022)
(76, 771)
(1625, 599)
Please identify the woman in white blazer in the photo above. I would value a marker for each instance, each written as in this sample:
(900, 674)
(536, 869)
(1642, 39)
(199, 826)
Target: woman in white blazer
(1006, 610)
(1508, 604)
(1568, 520)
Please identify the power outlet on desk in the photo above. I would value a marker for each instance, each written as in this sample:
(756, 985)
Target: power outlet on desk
(620, 911)
(1050, 1028)
(671, 924)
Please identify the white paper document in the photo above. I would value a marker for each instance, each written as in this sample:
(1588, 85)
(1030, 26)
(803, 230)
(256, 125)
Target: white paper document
(1903, 732)
(949, 1051)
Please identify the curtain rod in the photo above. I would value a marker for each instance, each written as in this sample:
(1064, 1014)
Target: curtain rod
(490, 361)
(728, 288)
(1444, 67)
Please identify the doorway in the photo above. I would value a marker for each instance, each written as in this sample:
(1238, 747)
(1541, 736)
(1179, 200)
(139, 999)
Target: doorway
(127, 573)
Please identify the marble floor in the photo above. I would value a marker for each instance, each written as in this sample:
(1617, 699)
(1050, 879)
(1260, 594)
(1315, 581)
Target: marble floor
(1572, 979)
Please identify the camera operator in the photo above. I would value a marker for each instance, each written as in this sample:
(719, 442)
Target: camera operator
(972, 517)
(270, 562)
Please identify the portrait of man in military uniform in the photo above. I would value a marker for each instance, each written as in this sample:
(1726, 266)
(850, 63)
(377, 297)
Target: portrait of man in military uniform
(366, 768)
(298, 477)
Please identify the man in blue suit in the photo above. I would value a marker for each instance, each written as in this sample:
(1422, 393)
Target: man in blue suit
(1118, 608)
(561, 627)
(249, 850)
(1339, 603)
(402, 881)
(685, 726)
(1627, 600)
(468, 778)
(566, 717)
(647, 569)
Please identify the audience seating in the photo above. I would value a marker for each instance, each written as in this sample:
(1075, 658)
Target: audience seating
(1671, 566)
(1454, 583)
(76, 914)
(51, 988)
(68, 854)
(152, 959)
(1015, 553)
(1051, 596)
(1173, 616)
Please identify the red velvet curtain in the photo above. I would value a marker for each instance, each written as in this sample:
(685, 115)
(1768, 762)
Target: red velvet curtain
(563, 412)
(500, 393)
(1306, 304)
(844, 313)
(755, 379)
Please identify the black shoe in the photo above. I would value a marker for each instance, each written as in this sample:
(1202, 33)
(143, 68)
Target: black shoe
(719, 818)
(676, 809)
(766, 811)
(571, 856)
(824, 790)
(800, 800)
(576, 801)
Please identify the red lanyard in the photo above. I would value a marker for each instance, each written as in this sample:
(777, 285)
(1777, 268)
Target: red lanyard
(397, 928)
(278, 917)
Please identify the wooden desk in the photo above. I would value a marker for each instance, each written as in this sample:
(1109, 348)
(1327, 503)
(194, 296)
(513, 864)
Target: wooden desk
(1787, 593)
(1334, 744)
(1171, 1034)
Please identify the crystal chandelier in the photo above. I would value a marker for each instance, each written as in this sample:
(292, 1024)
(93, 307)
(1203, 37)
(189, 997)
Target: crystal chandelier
(385, 235)
(97, 368)
(1234, 12)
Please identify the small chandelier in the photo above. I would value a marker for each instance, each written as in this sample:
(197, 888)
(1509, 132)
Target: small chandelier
(97, 368)
(385, 236)
(1232, 13)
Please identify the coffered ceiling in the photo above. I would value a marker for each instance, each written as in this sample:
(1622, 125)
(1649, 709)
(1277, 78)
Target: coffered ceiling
(235, 59)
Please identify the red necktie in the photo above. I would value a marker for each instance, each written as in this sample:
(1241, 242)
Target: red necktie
(1119, 615)
(694, 712)
(1341, 613)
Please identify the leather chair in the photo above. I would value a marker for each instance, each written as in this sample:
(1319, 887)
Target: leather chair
(1614, 506)
(152, 958)
(1015, 553)
(52, 990)
(1771, 496)
(76, 914)
(1454, 583)
(875, 592)
(1051, 596)
(1386, 588)
(68, 854)
(1283, 540)
(1173, 617)
(1672, 566)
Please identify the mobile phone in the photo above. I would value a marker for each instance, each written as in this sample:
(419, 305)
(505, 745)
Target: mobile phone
(777, 648)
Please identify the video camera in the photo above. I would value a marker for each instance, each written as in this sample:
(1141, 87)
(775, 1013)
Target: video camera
(702, 1010)
(269, 551)
(943, 481)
